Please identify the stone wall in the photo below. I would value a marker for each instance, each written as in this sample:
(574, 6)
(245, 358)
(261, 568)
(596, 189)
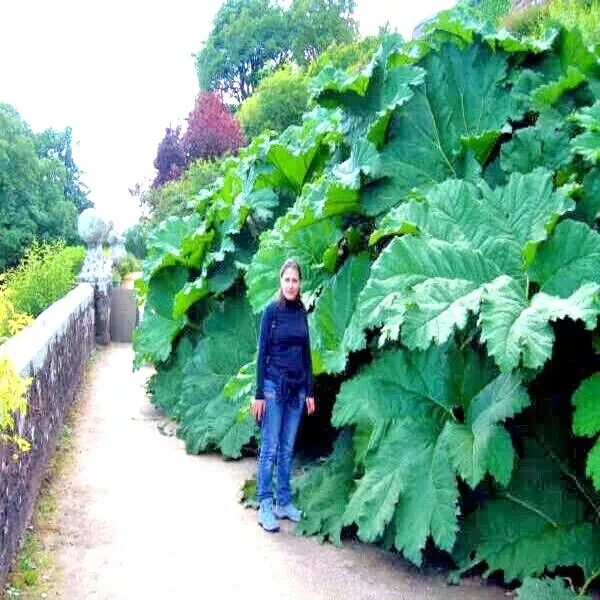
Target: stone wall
(54, 351)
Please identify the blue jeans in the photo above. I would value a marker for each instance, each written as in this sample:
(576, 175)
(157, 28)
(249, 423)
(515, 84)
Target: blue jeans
(279, 426)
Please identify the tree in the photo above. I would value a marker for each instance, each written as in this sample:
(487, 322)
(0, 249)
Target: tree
(279, 101)
(212, 130)
(32, 191)
(317, 24)
(170, 158)
(58, 144)
(251, 37)
(246, 36)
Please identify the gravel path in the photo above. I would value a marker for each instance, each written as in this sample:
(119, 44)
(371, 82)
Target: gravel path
(138, 518)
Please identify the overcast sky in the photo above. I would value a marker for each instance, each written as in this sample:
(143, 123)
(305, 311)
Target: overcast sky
(119, 72)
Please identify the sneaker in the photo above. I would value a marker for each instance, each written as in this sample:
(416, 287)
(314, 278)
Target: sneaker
(266, 518)
(289, 511)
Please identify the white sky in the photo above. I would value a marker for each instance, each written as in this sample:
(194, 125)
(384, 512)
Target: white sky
(119, 72)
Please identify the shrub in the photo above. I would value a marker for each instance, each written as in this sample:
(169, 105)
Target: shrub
(279, 101)
(13, 389)
(46, 273)
(535, 20)
(135, 240)
(129, 264)
(11, 321)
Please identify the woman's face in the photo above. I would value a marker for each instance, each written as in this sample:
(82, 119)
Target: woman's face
(290, 283)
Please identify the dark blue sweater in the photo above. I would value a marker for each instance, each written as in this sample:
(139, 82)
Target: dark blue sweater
(284, 346)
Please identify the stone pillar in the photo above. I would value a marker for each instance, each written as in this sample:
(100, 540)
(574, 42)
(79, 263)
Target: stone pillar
(96, 269)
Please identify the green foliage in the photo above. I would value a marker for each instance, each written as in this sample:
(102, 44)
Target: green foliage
(38, 187)
(13, 399)
(279, 100)
(11, 321)
(537, 523)
(316, 24)
(130, 264)
(178, 197)
(489, 10)
(444, 217)
(250, 35)
(586, 422)
(350, 57)
(44, 275)
(135, 240)
(539, 19)
(547, 589)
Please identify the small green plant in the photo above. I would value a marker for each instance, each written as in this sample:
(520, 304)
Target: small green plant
(46, 273)
(13, 399)
(11, 321)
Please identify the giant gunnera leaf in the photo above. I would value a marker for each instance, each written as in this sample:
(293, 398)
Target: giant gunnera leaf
(460, 108)
(586, 422)
(458, 244)
(333, 312)
(410, 472)
(538, 523)
(207, 416)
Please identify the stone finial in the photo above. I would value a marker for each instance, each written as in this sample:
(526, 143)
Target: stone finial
(90, 226)
(96, 269)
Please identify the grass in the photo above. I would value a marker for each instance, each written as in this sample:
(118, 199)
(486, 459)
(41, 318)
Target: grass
(36, 573)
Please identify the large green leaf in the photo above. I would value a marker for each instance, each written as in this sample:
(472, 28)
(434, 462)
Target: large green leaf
(369, 97)
(177, 240)
(547, 589)
(464, 97)
(482, 445)
(587, 144)
(333, 312)
(589, 204)
(163, 287)
(518, 330)
(398, 384)
(394, 485)
(324, 491)
(411, 464)
(544, 145)
(152, 339)
(568, 259)
(432, 280)
(165, 386)
(586, 421)
(294, 152)
(537, 523)
(209, 419)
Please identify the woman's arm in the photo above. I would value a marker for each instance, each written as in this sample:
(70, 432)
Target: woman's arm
(263, 352)
(310, 381)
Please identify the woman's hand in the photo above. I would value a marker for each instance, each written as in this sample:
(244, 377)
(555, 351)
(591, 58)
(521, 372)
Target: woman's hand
(258, 408)
(310, 405)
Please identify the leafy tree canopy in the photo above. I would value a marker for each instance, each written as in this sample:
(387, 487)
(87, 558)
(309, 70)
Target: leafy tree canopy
(37, 181)
(317, 24)
(249, 35)
(212, 131)
(59, 144)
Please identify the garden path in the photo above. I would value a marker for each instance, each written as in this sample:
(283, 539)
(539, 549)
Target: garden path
(138, 518)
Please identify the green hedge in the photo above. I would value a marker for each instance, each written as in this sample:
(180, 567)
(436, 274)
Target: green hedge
(46, 273)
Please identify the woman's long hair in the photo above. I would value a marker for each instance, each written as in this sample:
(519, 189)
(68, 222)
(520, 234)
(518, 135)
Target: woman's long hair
(290, 263)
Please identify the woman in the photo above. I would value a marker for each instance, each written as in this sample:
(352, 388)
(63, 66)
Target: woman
(284, 384)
